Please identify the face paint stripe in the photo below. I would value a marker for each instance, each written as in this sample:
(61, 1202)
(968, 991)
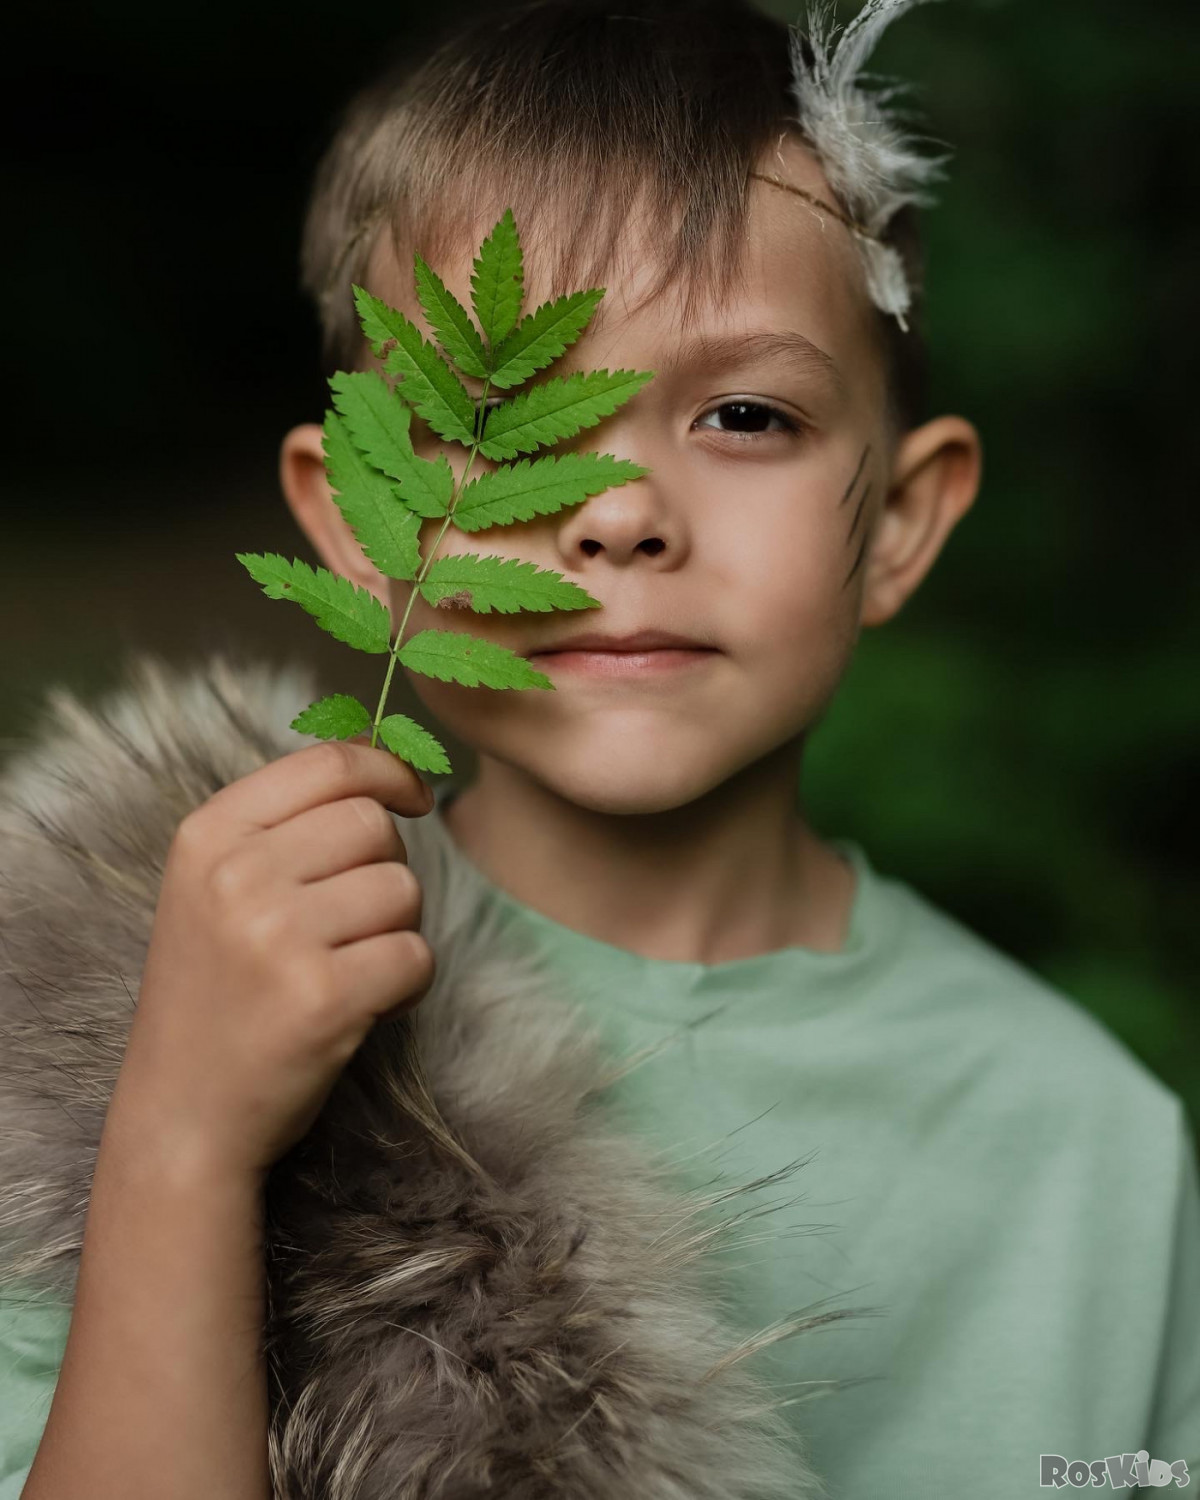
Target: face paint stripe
(861, 550)
(850, 487)
(858, 512)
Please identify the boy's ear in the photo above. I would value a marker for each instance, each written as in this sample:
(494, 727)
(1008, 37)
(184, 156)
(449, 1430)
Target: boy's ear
(935, 477)
(306, 490)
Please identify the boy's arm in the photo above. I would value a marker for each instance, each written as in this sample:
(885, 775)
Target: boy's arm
(1175, 1427)
(162, 1389)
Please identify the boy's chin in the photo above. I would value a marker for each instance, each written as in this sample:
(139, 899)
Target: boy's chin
(621, 786)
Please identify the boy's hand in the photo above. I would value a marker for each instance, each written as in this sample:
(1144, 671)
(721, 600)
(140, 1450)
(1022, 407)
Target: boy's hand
(286, 927)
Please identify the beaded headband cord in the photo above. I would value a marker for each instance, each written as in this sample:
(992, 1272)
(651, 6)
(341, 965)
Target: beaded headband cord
(817, 203)
(868, 158)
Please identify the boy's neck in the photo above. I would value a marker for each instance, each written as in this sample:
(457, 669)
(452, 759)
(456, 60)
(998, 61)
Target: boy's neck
(731, 875)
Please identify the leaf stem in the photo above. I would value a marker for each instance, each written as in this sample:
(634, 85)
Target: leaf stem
(480, 418)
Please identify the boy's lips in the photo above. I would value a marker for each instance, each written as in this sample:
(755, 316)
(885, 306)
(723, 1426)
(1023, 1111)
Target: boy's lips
(625, 663)
(640, 641)
(597, 654)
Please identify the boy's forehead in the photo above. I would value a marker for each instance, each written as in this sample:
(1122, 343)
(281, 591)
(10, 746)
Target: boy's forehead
(800, 275)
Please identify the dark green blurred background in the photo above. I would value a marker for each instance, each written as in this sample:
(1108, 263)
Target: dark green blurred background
(1020, 743)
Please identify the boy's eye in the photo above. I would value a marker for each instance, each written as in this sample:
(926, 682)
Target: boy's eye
(747, 420)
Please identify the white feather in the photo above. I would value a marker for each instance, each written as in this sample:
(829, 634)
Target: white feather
(868, 155)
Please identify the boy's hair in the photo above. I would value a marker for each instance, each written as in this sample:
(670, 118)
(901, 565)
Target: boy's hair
(578, 105)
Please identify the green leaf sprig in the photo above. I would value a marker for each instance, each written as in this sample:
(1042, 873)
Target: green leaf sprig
(385, 491)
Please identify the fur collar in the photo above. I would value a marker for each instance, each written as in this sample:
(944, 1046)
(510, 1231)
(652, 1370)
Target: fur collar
(478, 1286)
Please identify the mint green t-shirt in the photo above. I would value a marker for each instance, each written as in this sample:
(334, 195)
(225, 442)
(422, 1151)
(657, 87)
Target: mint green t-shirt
(984, 1166)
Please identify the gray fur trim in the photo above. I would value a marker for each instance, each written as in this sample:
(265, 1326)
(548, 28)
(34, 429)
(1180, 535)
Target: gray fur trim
(478, 1285)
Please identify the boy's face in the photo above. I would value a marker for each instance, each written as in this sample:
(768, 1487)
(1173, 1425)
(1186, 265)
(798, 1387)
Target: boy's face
(750, 537)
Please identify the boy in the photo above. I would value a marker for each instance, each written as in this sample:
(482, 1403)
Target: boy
(1003, 1184)
(973, 1132)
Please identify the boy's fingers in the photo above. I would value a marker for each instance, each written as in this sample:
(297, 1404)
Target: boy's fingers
(424, 788)
(318, 774)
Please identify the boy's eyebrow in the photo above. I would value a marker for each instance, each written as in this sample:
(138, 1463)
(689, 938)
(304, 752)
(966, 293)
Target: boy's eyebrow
(724, 351)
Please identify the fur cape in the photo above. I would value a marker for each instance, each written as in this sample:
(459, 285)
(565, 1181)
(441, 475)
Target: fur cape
(478, 1283)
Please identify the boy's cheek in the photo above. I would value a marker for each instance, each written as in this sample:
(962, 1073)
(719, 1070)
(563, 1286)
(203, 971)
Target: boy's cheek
(453, 543)
(428, 535)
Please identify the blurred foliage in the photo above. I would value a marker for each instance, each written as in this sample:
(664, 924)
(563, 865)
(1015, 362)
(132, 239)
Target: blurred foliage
(1020, 744)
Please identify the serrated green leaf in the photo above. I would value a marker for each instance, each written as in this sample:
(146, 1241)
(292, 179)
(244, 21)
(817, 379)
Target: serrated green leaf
(538, 487)
(539, 339)
(414, 743)
(557, 409)
(388, 532)
(452, 656)
(348, 611)
(450, 321)
(378, 320)
(336, 717)
(504, 584)
(378, 421)
(427, 382)
(497, 284)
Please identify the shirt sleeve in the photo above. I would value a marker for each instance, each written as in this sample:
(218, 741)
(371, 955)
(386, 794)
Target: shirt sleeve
(33, 1338)
(1175, 1428)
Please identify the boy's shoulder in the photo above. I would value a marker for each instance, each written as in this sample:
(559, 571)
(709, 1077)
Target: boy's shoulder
(1016, 1030)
